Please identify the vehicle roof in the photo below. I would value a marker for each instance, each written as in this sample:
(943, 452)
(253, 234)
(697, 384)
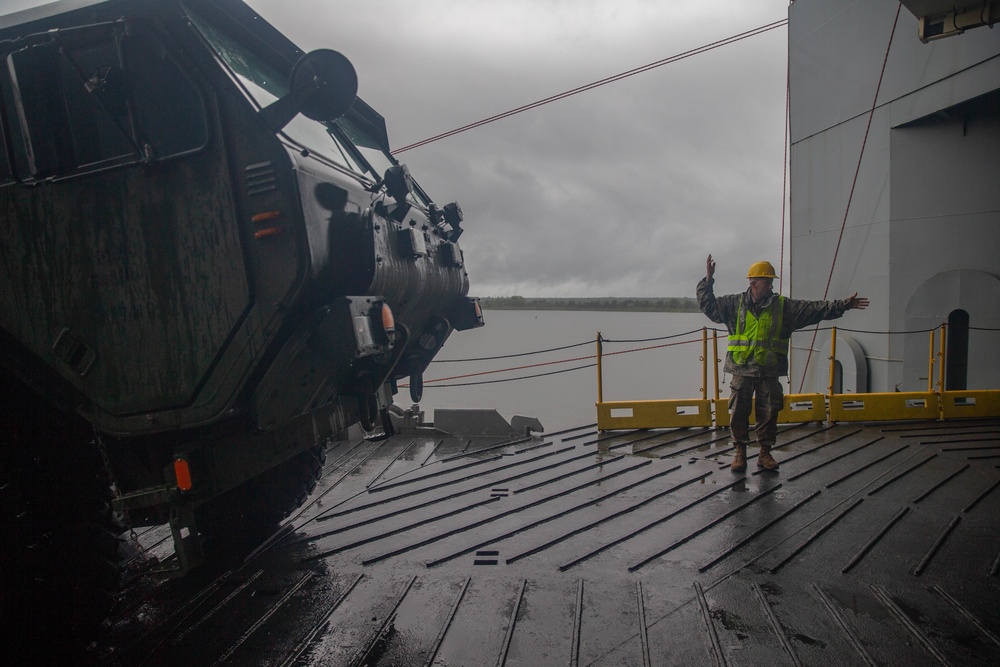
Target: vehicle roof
(43, 11)
(236, 12)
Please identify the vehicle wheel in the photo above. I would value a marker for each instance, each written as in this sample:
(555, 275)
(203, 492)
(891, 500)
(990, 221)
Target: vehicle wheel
(368, 411)
(416, 387)
(59, 560)
(243, 517)
(387, 426)
(16, 571)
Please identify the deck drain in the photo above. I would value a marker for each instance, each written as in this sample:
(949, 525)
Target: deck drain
(499, 493)
(484, 557)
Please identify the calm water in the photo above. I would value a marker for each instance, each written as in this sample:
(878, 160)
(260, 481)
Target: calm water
(566, 399)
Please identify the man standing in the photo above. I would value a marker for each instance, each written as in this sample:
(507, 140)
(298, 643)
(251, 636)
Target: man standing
(760, 324)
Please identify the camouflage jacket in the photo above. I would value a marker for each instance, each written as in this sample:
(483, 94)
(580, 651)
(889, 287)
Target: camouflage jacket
(797, 314)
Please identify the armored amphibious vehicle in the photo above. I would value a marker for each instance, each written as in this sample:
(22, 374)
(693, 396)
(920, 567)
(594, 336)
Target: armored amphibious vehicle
(210, 265)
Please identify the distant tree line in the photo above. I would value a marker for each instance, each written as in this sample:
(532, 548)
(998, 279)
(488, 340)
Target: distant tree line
(672, 304)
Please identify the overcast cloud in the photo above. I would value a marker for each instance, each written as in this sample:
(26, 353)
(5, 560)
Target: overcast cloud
(618, 191)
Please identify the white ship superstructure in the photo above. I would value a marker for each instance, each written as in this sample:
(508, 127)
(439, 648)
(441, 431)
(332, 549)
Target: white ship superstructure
(921, 231)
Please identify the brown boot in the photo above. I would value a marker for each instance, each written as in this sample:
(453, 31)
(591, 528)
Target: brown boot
(739, 459)
(765, 460)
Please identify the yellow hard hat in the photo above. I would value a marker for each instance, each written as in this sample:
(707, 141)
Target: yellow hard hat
(761, 270)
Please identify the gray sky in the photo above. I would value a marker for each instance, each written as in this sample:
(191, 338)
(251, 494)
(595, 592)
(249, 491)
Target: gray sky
(618, 191)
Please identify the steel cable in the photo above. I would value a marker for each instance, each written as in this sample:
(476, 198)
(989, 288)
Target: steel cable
(437, 382)
(611, 79)
(854, 183)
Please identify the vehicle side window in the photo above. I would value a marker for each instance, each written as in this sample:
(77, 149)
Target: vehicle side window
(263, 83)
(369, 148)
(15, 158)
(92, 99)
(170, 112)
(93, 89)
(6, 170)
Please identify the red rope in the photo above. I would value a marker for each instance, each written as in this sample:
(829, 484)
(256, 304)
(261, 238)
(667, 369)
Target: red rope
(784, 188)
(850, 197)
(560, 361)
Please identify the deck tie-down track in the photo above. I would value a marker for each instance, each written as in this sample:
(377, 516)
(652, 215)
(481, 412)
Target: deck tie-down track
(873, 544)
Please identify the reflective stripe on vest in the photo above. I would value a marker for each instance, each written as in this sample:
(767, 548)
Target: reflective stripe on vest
(759, 336)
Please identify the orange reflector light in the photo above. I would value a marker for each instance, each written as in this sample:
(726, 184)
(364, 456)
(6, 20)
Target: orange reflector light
(265, 216)
(183, 474)
(267, 231)
(388, 319)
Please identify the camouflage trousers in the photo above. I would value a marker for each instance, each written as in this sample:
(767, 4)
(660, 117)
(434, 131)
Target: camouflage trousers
(770, 400)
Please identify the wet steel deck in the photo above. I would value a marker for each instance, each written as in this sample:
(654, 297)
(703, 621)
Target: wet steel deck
(874, 544)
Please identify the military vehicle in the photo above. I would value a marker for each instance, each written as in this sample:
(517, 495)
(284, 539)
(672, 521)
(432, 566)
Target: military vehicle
(210, 264)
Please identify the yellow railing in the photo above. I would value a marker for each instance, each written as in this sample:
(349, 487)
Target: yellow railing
(935, 403)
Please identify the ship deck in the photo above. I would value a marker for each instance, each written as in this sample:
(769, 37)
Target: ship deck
(873, 544)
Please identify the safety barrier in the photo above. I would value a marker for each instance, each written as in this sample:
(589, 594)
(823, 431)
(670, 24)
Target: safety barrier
(968, 404)
(652, 414)
(798, 409)
(935, 403)
(884, 407)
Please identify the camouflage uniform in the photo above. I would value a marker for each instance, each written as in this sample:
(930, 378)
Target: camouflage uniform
(751, 377)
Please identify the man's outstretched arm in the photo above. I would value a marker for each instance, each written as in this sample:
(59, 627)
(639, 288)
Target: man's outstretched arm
(857, 302)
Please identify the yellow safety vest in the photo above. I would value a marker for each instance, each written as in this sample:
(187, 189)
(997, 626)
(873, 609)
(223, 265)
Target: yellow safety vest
(759, 336)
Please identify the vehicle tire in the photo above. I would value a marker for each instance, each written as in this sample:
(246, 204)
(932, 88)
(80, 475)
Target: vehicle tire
(16, 571)
(59, 559)
(368, 411)
(245, 516)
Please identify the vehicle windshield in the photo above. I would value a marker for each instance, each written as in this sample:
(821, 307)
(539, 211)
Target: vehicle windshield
(265, 84)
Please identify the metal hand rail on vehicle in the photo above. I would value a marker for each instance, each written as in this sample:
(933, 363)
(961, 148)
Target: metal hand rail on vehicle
(936, 403)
